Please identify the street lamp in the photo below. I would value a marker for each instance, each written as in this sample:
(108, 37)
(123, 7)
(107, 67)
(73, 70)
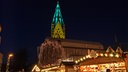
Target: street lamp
(10, 55)
(8, 62)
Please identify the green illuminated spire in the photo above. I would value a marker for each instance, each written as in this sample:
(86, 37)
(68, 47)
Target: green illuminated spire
(57, 26)
(57, 15)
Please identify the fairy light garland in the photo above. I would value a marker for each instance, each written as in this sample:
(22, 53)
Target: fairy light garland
(117, 55)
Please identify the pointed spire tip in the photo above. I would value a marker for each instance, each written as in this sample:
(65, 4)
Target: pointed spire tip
(57, 2)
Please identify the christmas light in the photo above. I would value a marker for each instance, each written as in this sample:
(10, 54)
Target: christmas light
(117, 55)
(101, 54)
(111, 55)
(84, 58)
(81, 59)
(106, 54)
(76, 62)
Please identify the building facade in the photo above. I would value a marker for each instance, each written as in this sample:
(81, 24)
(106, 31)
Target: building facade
(57, 50)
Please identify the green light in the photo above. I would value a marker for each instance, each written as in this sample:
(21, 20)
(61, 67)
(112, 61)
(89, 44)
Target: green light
(57, 5)
(57, 27)
(57, 15)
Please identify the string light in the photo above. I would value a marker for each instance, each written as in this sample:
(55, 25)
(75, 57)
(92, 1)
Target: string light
(81, 59)
(76, 62)
(111, 55)
(84, 58)
(101, 54)
(117, 55)
(106, 54)
(97, 54)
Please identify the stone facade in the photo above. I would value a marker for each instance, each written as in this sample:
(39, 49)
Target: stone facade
(76, 48)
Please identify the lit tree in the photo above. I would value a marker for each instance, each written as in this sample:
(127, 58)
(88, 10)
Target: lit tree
(50, 52)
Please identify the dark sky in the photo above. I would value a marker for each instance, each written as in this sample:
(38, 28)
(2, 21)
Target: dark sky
(26, 23)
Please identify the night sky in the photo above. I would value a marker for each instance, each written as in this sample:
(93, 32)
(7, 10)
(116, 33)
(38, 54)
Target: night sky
(26, 23)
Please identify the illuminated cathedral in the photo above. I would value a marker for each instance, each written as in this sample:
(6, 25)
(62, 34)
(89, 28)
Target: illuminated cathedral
(52, 46)
(58, 48)
(59, 54)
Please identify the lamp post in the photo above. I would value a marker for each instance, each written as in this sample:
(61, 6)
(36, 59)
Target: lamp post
(8, 62)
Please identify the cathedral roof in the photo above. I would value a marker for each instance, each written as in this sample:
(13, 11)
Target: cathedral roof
(72, 43)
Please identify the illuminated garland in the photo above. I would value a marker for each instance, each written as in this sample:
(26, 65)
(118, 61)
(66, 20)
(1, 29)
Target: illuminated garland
(117, 55)
(37, 69)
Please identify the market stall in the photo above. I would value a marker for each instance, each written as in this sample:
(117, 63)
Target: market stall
(100, 62)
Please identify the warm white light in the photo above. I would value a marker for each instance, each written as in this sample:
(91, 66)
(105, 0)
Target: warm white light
(10, 55)
(84, 58)
(76, 62)
(106, 55)
(97, 54)
(117, 55)
(116, 64)
(101, 54)
(111, 55)
(112, 64)
(36, 68)
(87, 56)
(92, 66)
(81, 59)
(46, 70)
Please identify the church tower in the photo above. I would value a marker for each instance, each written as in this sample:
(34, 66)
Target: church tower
(58, 26)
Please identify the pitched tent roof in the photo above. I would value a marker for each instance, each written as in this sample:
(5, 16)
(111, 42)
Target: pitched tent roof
(119, 50)
(36, 68)
(110, 50)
